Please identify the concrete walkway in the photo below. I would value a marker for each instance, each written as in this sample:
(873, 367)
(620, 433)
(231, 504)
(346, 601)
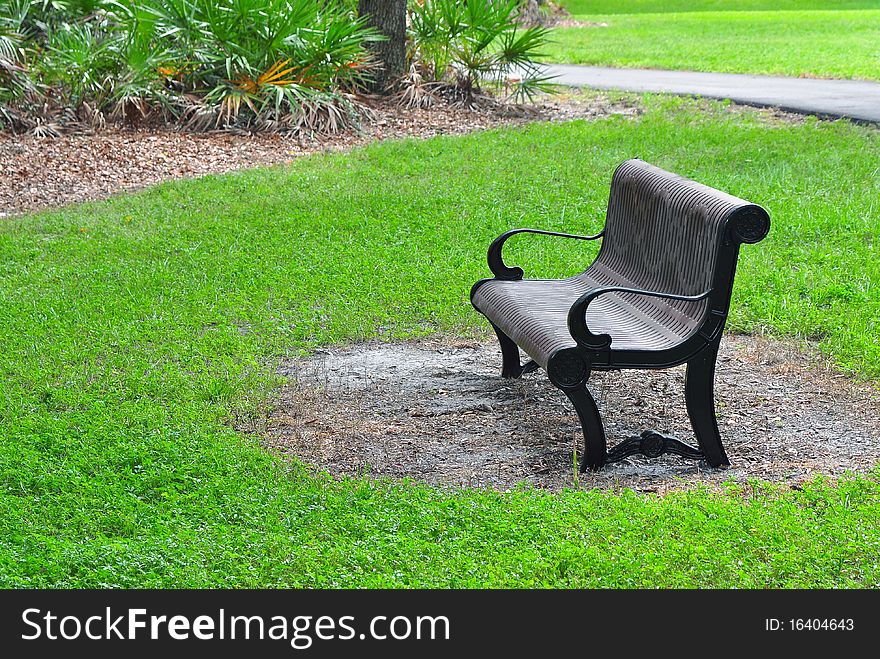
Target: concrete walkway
(854, 99)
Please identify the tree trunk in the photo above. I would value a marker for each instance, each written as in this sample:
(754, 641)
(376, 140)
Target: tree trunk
(389, 18)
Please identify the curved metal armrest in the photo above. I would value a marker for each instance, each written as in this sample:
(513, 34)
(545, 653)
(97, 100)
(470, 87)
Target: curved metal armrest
(577, 315)
(496, 260)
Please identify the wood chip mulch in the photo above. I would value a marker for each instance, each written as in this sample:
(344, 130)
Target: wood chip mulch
(40, 173)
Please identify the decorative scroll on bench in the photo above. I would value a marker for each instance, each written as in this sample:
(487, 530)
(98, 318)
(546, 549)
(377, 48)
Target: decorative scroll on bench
(656, 296)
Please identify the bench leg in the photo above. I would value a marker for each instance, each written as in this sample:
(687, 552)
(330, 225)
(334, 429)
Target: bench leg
(700, 396)
(591, 424)
(511, 366)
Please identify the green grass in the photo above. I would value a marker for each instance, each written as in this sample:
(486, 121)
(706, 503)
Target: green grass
(815, 43)
(137, 330)
(678, 6)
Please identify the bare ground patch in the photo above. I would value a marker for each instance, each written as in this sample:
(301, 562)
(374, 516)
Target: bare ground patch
(437, 411)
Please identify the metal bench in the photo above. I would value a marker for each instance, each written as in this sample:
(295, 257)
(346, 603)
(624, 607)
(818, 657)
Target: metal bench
(656, 296)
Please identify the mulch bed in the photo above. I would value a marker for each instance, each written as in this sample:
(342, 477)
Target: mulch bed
(41, 173)
(437, 411)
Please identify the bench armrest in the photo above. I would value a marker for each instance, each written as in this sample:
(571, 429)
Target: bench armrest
(577, 315)
(496, 260)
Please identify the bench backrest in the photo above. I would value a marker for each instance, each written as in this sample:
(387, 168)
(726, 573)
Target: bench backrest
(666, 233)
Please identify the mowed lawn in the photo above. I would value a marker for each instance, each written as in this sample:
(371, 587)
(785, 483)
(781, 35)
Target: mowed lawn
(823, 44)
(678, 6)
(139, 331)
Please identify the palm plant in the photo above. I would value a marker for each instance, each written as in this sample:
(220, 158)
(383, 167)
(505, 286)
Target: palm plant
(276, 63)
(15, 81)
(80, 58)
(139, 87)
(476, 44)
(255, 64)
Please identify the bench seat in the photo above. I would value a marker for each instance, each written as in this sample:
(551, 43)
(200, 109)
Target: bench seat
(534, 313)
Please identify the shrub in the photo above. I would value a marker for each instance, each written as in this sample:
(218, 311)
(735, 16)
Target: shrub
(476, 44)
(15, 81)
(288, 65)
(279, 62)
(256, 64)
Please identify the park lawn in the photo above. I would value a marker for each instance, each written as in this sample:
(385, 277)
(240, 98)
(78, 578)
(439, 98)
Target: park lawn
(139, 331)
(677, 6)
(824, 44)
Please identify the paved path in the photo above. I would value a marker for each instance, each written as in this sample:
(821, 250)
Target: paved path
(854, 99)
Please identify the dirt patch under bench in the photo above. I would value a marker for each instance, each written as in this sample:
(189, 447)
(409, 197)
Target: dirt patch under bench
(438, 411)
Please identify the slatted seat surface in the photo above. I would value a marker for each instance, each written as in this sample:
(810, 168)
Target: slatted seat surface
(534, 313)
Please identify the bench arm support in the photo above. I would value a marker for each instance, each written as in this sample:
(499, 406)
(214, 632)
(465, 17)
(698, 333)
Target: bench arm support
(496, 260)
(577, 315)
